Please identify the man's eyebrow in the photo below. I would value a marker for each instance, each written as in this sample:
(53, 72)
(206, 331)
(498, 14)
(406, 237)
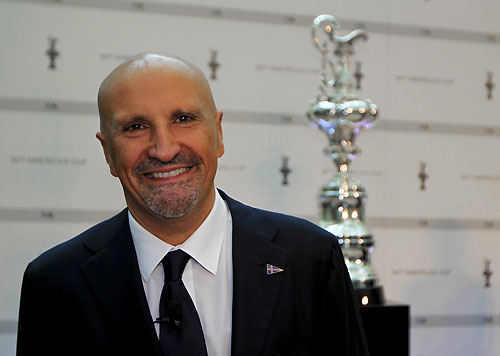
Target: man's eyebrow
(189, 111)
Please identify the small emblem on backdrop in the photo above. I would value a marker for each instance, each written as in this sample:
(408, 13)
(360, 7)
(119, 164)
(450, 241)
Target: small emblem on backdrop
(285, 170)
(487, 273)
(358, 74)
(52, 52)
(489, 86)
(422, 175)
(213, 64)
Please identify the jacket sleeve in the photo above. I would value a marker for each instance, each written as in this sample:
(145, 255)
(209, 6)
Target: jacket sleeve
(32, 327)
(342, 318)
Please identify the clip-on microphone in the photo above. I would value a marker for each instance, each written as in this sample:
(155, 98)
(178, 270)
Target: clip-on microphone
(173, 314)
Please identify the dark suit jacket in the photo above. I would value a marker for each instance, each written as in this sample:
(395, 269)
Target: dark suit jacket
(85, 296)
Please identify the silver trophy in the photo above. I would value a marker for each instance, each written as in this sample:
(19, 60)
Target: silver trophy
(341, 115)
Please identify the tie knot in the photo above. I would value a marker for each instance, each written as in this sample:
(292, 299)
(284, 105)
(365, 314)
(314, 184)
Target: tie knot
(173, 264)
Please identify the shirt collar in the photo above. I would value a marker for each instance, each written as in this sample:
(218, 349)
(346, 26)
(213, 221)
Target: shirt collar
(203, 245)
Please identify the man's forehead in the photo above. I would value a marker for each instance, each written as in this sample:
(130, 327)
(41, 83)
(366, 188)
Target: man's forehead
(153, 70)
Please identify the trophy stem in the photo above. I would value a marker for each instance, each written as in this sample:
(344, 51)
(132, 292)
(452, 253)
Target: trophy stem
(344, 79)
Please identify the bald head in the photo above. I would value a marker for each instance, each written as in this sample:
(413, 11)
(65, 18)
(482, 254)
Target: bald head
(144, 65)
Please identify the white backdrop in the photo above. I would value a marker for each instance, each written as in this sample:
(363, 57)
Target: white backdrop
(425, 64)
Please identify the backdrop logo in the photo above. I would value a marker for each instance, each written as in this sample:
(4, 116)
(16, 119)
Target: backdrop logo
(421, 272)
(489, 85)
(358, 74)
(52, 52)
(487, 273)
(48, 160)
(231, 167)
(285, 68)
(422, 175)
(213, 64)
(285, 170)
(120, 57)
(356, 172)
(422, 79)
(481, 177)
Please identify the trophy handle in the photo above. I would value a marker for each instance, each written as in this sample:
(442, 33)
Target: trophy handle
(331, 26)
(325, 25)
(345, 43)
(351, 37)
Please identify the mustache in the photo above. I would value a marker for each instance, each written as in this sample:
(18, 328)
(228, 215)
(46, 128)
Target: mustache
(190, 159)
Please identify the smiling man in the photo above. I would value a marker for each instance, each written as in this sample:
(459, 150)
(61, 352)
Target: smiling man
(162, 136)
(184, 269)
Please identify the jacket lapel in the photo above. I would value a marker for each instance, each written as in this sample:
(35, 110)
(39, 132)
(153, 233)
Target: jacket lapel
(113, 276)
(255, 293)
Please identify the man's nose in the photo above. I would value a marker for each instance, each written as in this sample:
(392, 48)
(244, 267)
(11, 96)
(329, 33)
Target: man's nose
(164, 144)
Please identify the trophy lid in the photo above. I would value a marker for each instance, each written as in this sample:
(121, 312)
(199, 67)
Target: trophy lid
(336, 110)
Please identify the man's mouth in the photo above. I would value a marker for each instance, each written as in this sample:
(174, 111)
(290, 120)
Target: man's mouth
(170, 174)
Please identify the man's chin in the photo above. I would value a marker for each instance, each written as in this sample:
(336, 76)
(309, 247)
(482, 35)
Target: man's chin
(175, 206)
(170, 214)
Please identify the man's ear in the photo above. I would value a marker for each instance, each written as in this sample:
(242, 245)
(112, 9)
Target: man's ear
(109, 160)
(220, 138)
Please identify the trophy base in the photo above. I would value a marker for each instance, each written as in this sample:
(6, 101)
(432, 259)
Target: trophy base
(370, 296)
(387, 329)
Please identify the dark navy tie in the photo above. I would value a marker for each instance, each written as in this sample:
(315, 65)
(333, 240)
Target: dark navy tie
(180, 327)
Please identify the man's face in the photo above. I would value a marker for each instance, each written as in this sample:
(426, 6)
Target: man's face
(162, 141)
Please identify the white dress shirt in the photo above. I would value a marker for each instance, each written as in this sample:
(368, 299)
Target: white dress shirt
(208, 275)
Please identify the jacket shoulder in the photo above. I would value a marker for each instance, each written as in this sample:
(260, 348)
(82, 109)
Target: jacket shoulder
(289, 231)
(79, 248)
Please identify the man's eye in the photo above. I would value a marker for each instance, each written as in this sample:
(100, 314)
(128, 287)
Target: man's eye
(184, 118)
(134, 127)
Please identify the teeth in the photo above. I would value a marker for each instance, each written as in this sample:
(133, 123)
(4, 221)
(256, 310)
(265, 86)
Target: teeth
(168, 174)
